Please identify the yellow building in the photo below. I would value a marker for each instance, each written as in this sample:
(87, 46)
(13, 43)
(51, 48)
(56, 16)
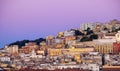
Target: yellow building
(54, 52)
(28, 48)
(81, 50)
(60, 34)
(111, 68)
(3, 65)
(82, 44)
(43, 43)
(43, 46)
(104, 48)
(104, 45)
(70, 51)
(59, 45)
(77, 57)
(41, 52)
(12, 49)
(69, 38)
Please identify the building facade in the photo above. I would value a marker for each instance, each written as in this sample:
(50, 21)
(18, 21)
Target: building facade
(12, 49)
(116, 45)
(104, 45)
(69, 33)
(49, 40)
(84, 26)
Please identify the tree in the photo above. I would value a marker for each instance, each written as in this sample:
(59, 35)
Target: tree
(85, 39)
(94, 36)
(77, 33)
(39, 40)
(22, 43)
(88, 29)
(89, 32)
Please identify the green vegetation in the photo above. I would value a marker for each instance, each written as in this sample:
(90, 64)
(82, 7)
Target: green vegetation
(78, 33)
(85, 38)
(94, 36)
(22, 43)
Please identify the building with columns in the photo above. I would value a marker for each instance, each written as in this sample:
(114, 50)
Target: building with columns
(104, 45)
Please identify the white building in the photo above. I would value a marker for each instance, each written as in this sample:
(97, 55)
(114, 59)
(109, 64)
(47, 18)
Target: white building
(118, 36)
(93, 67)
(69, 33)
(58, 40)
(93, 53)
(1, 69)
(68, 66)
(22, 55)
(84, 66)
(84, 26)
(107, 57)
(5, 58)
(33, 55)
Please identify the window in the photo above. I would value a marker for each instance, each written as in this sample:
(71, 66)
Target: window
(118, 35)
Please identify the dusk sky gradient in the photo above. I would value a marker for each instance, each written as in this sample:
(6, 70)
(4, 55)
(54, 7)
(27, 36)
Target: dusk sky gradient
(32, 19)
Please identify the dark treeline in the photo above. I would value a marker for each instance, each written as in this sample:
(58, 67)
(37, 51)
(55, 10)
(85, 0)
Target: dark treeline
(22, 42)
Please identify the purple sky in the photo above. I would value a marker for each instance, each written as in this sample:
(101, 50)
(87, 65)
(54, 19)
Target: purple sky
(31, 19)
